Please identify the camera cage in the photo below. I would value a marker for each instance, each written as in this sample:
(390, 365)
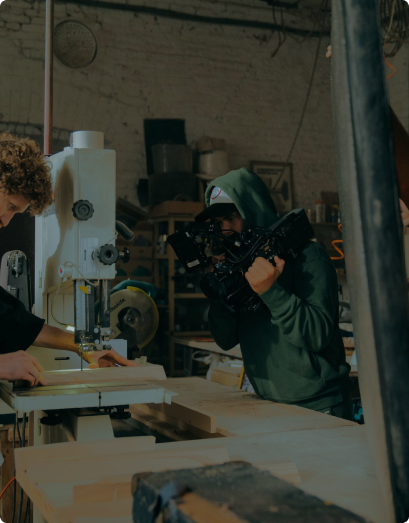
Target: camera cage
(226, 282)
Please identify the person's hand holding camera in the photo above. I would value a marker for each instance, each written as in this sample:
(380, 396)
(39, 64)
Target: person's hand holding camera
(262, 274)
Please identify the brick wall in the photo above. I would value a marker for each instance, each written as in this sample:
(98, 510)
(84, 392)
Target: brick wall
(221, 79)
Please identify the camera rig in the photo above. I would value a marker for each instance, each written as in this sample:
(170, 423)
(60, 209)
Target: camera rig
(227, 282)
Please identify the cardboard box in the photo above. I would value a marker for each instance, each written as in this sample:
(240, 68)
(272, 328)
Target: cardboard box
(170, 208)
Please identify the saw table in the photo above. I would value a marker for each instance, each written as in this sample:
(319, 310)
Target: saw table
(75, 405)
(324, 456)
(91, 388)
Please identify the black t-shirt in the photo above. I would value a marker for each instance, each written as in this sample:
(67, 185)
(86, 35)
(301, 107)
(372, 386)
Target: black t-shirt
(18, 328)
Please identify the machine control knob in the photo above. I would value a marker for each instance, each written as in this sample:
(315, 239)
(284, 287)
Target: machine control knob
(125, 255)
(64, 272)
(108, 254)
(83, 210)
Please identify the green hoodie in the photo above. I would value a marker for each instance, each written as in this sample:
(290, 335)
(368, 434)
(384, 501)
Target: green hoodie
(292, 346)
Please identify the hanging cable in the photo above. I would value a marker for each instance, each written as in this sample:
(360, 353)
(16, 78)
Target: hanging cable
(6, 487)
(388, 63)
(308, 35)
(15, 486)
(22, 445)
(394, 18)
(335, 243)
(282, 36)
(324, 5)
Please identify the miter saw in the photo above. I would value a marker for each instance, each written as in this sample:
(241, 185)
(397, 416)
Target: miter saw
(134, 315)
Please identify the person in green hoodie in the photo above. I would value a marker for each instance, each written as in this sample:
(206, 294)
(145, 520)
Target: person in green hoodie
(291, 345)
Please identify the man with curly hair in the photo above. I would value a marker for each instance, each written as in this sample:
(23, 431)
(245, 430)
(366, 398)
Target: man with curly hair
(25, 185)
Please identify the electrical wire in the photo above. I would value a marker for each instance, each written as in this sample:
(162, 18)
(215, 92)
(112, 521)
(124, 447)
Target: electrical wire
(385, 40)
(317, 19)
(334, 244)
(394, 17)
(388, 63)
(324, 5)
(15, 486)
(282, 35)
(22, 445)
(7, 486)
(28, 508)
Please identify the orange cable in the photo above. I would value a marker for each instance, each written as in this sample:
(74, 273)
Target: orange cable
(6, 487)
(334, 242)
(388, 63)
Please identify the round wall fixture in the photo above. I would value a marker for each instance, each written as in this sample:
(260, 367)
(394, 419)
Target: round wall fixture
(74, 44)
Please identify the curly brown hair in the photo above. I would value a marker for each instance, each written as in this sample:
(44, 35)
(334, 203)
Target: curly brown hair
(23, 172)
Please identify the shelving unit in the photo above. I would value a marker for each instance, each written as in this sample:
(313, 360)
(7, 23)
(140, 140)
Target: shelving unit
(325, 233)
(172, 221)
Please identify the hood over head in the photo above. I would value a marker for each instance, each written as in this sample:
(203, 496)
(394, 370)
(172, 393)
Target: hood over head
(248, 193)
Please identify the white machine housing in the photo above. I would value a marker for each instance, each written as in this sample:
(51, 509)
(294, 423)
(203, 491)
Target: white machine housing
(84, 171)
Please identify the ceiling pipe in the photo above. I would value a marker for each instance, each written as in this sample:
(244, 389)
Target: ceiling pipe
(188, 17)
(48, 86)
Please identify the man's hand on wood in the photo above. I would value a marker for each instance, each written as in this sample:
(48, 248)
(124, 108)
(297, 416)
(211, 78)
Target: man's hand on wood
(21, 366)
(107, 358)
(262, 274)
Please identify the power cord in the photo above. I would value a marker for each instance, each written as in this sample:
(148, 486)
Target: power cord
(22, 445)
(324, 6)
(14, 448)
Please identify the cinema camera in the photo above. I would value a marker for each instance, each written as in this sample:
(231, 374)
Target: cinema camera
(227, 282)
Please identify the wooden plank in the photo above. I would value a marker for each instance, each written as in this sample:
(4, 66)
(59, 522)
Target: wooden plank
(7, 473)
(55, 486)
(10, 434)
(200, 510)
(251, 494)
(118, 508)
(192, 416)
(333, 463)
(103, 519)
(286, 470)
(104, 375)
(226, 376)
(174, 428)
(108, 490)
(96, 467)
(239, 412)
(30, 456)
(119, 487)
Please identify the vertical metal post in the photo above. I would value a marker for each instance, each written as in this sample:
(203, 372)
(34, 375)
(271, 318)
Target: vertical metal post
(48, 87)
(372, 232)
(105, 304)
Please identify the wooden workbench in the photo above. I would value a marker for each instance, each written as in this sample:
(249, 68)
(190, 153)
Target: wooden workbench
(323, 455)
